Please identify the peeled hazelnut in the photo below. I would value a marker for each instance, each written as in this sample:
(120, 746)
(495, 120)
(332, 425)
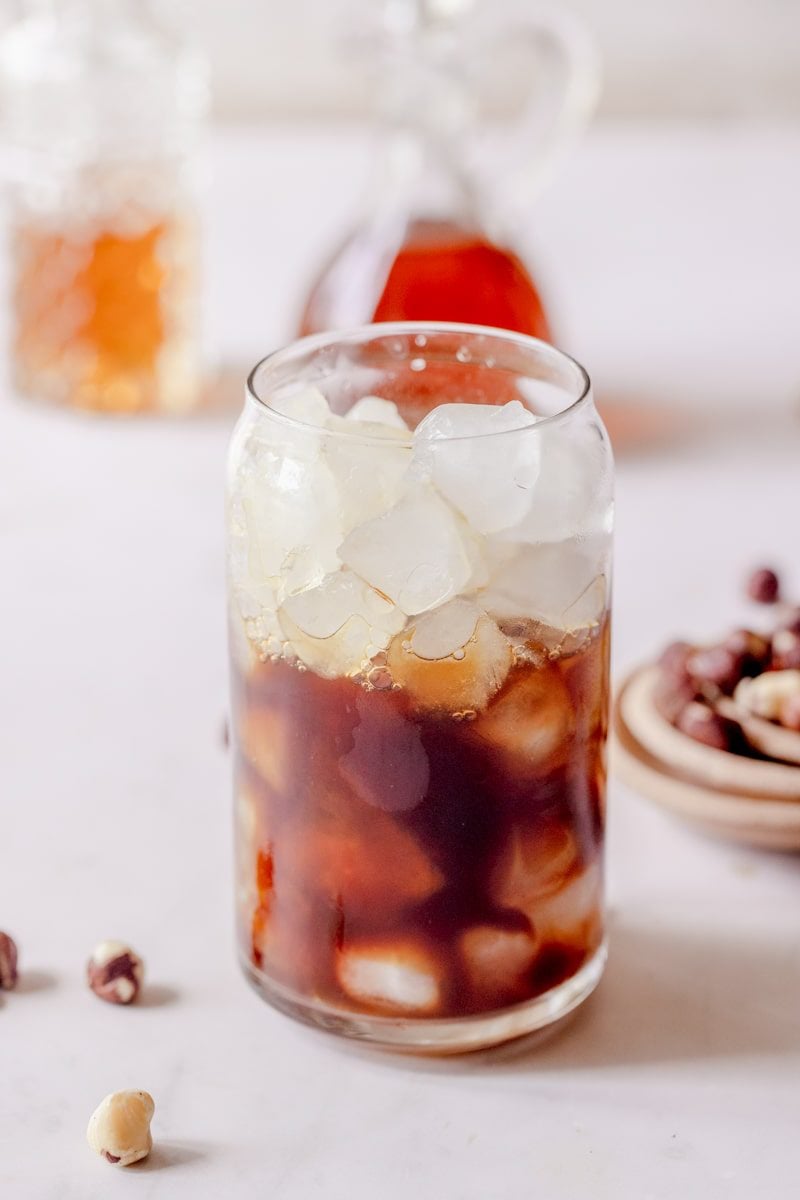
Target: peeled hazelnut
(763, 586)
(115, 973)
(751, 648)
(765, 695)
(786, 650)
(718, 666)
(119, 1128)
(789, 715)
(701, 723)
(8, 962)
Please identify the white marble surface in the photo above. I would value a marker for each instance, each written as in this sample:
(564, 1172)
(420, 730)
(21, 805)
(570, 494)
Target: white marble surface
(679, 1078)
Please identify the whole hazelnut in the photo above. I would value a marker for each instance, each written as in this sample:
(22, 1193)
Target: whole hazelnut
(701, 723)
(786, 650)
(673, 659)
(119, 1128)
(8, 962)
(790, 620)
(751, 648)
(789, 715)
(766, 695)
(671, 696)
(718, 666)
(115, 973)
(763, 586)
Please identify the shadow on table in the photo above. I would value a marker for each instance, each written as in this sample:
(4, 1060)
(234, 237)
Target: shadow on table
(171, 1154)
(673, 995)
(35, 981)
(667, 996)
(156, 995)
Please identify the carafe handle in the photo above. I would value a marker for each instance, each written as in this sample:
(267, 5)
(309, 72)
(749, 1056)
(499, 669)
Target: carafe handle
(514, 158)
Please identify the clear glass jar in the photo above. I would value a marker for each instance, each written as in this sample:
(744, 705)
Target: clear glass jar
(420, 533)
(101, 110)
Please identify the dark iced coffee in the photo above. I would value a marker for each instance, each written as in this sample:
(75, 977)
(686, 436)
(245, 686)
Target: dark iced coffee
(420, 681)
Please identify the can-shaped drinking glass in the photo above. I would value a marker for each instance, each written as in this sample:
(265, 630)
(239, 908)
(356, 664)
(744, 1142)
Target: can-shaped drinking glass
(419, 568)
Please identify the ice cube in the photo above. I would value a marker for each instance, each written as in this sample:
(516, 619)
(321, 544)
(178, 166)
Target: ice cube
(418, 553)
(536, 863)
(293, 523)
(572, 494)
(445, 630)
(243, 653)
(532, 723)
(497, 959)
(246, 810)
(573, 913)
(387, 765)
(285, 523)
(368, 474)
(253, 610)
(464, 681)
(359, 857)
(266, 743)
(560, 584)
(307, 405)
(478, 459)
(338, 626)
(377, 412)
(284, 936)
(395, 976)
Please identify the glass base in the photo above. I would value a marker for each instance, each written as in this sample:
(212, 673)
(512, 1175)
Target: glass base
(455, 1035)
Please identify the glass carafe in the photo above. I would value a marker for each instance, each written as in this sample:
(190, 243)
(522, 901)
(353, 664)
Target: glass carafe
(101, 109)
(455, 169)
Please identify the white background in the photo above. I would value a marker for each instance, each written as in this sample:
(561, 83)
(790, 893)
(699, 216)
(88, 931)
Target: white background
(722, 58)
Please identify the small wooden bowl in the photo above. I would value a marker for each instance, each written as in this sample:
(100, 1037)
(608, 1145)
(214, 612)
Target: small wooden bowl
(742, 799)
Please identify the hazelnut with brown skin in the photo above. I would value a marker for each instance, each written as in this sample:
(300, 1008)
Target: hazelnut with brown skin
(674, 658)
(8, 962)
(786, 650)
(751, 648)
(702, 724)
(671, 697)
(115, 973)
(717, 666)
(674, 688)
(763, 586)
(789, 621)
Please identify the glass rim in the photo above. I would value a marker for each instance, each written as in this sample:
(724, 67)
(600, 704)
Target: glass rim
(302, 350)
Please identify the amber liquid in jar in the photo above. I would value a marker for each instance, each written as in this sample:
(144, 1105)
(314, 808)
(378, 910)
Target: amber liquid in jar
(387, 835)
(445, 271)
(100, 315)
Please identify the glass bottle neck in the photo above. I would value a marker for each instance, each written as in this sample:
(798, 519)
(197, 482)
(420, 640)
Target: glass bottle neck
(425, 115)
(417, 177)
